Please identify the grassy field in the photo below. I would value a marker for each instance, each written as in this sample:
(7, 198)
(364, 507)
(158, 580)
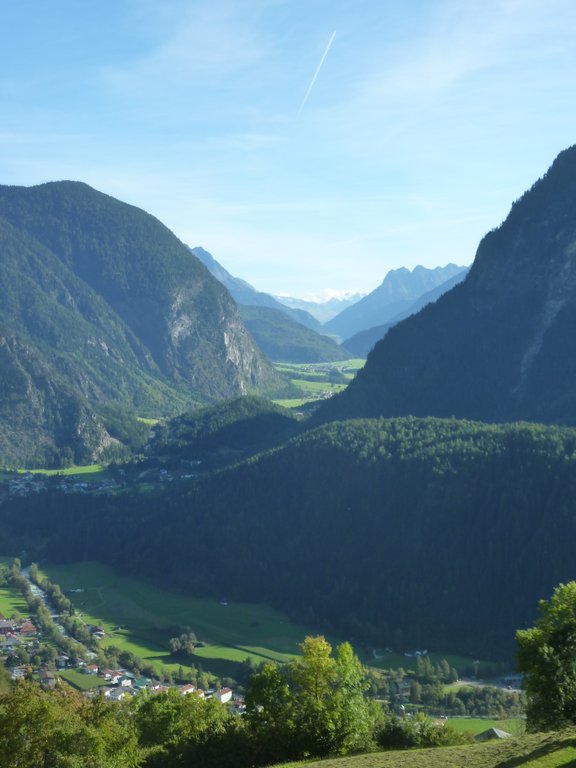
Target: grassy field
(315, 388)
(293, 402)
(141, 619)
(475, 725)
(317, 380)
(351, 366)
(81, 681)
(11, 602)
(89, 469)
(408, 663)
(552, 750)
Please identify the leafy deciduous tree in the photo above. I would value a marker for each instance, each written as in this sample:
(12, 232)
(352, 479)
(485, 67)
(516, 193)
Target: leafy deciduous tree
(547, 657)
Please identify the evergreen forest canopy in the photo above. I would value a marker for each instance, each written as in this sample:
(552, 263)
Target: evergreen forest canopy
(224, 433)
(403, 532)
(283, 339)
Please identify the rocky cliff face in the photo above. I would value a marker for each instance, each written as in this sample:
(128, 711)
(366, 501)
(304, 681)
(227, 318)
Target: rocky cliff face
(114, 309)
(42, 421)
(501, 345)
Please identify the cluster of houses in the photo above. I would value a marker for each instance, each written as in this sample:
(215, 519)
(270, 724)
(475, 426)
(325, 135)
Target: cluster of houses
(23, 633)
(114, 685)
(13, 631)
(26, 483)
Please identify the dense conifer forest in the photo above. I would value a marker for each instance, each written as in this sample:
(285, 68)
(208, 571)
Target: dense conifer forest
(402, 532)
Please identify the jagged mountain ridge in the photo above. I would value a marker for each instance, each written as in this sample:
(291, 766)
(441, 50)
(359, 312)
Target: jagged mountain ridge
(499, 346)
(100, 303)
(395, 295)
(361, 343)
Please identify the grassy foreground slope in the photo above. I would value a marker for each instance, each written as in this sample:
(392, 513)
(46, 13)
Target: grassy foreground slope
(550, 750)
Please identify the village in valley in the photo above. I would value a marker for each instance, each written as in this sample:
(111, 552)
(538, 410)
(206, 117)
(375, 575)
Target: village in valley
(29, 650)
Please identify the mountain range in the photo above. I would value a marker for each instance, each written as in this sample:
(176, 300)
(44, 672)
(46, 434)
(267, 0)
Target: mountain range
(396, 295)
(362, 342)
(101, 305)
(323, 309)
(365, 319)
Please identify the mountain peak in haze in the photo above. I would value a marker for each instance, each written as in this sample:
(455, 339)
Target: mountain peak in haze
(323, 306)
(397, 292)
(243, 293)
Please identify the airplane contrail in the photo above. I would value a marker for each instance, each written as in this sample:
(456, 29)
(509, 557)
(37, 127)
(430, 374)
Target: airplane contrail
(318, 68)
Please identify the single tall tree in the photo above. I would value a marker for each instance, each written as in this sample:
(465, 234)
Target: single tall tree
(547, 658)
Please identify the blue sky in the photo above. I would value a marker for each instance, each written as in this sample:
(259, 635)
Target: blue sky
(425, 121)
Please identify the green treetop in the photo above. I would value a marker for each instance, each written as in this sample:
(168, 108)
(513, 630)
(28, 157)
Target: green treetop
(547, 657)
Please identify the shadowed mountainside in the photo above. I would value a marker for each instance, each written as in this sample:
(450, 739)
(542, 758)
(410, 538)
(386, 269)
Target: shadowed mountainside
(499, 346)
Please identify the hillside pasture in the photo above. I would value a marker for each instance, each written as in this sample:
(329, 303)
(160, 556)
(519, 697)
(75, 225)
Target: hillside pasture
(475, 725)
(551, 750)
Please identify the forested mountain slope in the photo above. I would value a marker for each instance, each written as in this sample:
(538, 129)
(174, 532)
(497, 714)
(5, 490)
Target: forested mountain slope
(224, 433)
(282, 339)
(501, 345)
(100, 304)
(403, 532)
